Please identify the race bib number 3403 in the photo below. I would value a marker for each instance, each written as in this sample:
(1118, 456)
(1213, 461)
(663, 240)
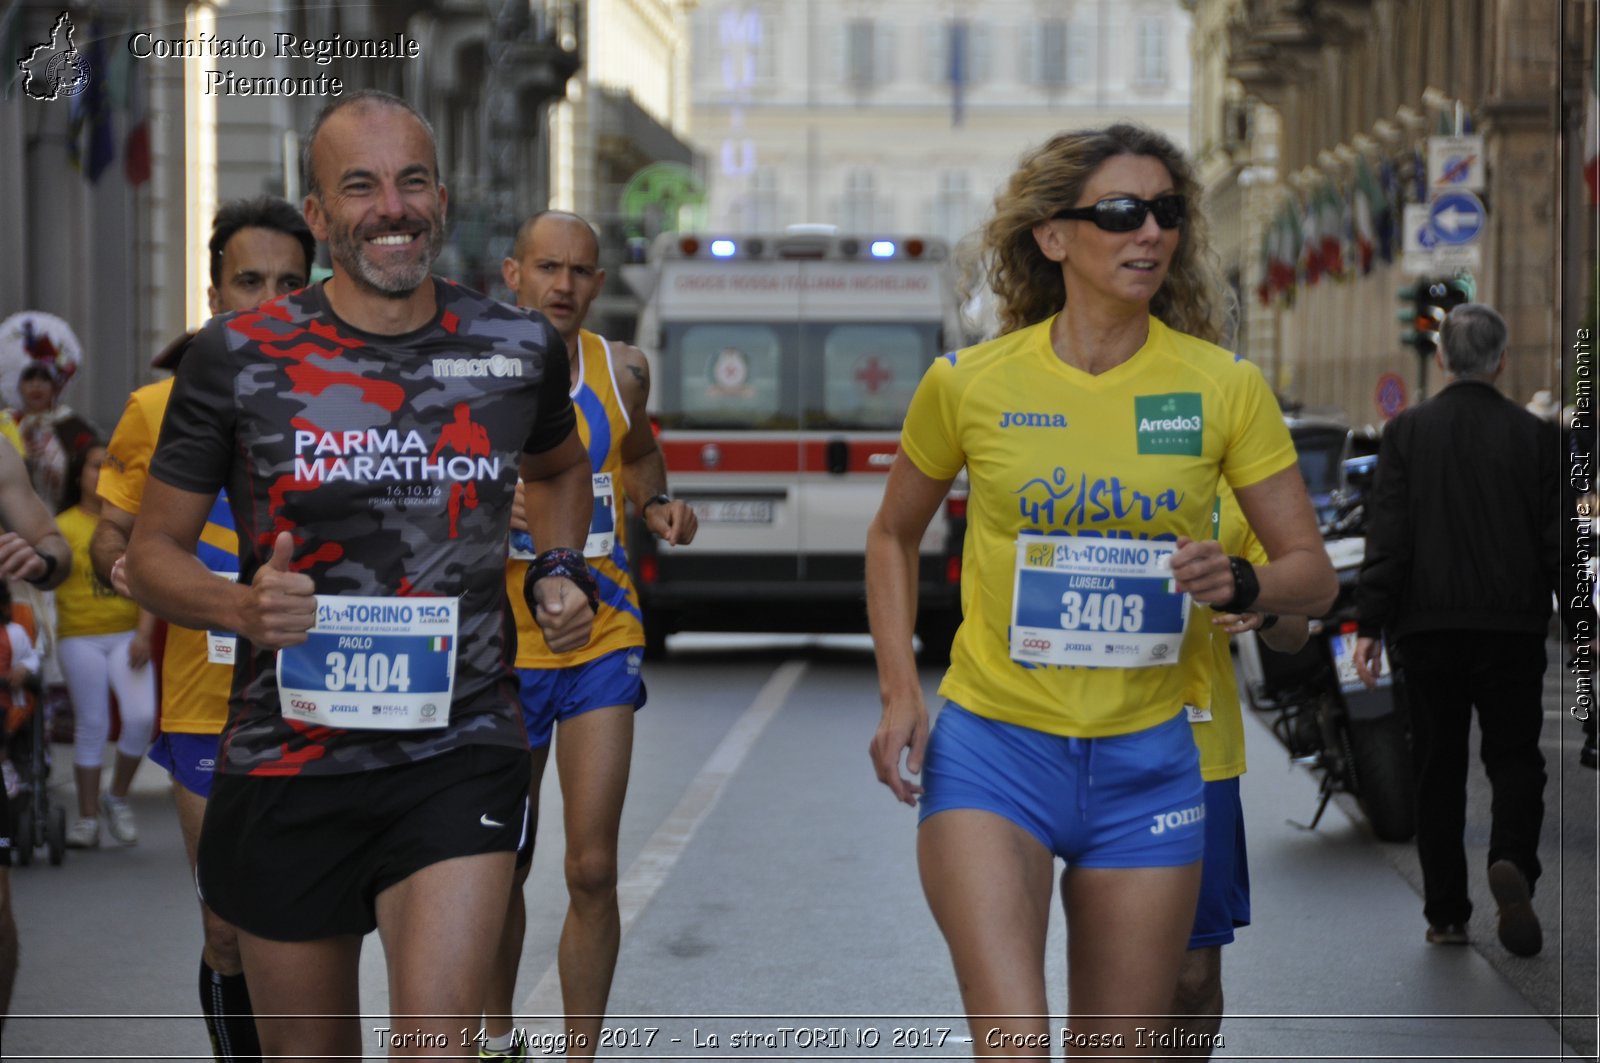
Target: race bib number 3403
(1102, 603)
(373, 663)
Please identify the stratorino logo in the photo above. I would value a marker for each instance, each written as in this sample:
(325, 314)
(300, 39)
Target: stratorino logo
(1169, 424)
(499, 365)
(1018, 419)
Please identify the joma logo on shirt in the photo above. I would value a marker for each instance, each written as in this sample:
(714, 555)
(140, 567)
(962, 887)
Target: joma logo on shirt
(1017, 419)
(499, 365)
(1169, 424)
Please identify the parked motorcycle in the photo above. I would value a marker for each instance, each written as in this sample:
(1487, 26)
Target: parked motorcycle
(1358, 739)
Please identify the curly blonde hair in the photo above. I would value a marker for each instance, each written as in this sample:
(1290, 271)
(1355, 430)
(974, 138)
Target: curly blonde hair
(1028, 286)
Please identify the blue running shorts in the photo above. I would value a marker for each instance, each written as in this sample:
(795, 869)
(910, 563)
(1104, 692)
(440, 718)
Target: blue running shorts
(1225, 879)
(552, 694)
(190, 759)
(1133, 800)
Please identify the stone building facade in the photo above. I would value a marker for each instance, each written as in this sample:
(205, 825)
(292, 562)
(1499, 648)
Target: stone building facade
(1292, 93)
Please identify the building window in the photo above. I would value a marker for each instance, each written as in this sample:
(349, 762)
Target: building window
(1051, 68)
(952, 206)
(1150, 51)
(1056, 53)
(857, 211)
(864, 55)
(763, 208)
(860, 53)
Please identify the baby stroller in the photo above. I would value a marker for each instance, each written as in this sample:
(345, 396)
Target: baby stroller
(36, 823)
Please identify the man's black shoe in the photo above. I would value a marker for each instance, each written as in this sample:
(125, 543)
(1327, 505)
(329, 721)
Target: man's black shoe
(1519, 926)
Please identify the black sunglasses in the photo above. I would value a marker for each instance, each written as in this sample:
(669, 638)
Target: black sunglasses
(1124, 214)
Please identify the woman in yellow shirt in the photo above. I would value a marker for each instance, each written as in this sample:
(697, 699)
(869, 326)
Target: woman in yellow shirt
(1093, 434)
(104, 644)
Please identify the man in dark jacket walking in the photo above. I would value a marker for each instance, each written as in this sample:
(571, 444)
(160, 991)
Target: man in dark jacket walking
(1462, 559)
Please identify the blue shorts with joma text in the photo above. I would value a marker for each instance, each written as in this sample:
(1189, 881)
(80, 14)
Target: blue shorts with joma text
(190, 759)
(1133, 800)
(1225, 878)
(550, 695)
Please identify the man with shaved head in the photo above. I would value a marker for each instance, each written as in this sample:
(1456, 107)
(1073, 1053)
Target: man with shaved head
(369, 431)
(584, 698)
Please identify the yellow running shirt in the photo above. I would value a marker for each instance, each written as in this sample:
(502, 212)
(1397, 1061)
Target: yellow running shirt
(85, 606)
(1131, 454)
(1214, 688)
(602, 424)
(194, 692)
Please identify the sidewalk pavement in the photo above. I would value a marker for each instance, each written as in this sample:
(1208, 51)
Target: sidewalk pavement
(1334, 963)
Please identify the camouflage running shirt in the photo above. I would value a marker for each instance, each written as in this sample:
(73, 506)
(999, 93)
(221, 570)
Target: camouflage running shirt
(392, 461)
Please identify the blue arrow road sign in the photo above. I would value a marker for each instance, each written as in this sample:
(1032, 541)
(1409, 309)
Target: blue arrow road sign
(1456, 218)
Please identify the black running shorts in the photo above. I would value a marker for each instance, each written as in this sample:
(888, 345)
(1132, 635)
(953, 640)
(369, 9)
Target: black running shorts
(299, 858)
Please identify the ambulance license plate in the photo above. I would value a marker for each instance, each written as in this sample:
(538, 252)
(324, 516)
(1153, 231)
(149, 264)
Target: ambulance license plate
(732, 510)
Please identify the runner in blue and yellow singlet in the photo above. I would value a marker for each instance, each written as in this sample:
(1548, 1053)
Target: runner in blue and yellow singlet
(1094, 434)
(584, 698)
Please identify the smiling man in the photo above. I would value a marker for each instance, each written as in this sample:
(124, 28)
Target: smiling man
(260, 249)
(374, 771)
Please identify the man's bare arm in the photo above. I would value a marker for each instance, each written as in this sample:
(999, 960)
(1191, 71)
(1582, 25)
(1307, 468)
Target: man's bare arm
(274, 610)
(644, 468)
(110, 542)
(31, 547)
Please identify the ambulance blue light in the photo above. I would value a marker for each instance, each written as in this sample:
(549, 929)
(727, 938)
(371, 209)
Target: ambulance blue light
(883, 249)
(722, 248)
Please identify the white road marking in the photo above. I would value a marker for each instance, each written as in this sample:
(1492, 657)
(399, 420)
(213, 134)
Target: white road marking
(655, 861)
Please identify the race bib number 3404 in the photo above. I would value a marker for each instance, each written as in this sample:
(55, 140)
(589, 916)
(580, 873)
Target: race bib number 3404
(1102, 603)
(373, 664)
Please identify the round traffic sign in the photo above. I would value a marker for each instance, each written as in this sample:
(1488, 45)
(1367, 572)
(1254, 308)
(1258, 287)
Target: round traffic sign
(1456, 218)
(1390, 394)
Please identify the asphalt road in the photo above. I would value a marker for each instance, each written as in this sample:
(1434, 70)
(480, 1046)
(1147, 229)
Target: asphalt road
(772, 910)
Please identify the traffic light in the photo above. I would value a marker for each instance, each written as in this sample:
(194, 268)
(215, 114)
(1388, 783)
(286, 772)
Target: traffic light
(1431, 299)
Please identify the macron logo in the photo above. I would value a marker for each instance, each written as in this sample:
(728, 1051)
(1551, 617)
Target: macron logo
(499, 365)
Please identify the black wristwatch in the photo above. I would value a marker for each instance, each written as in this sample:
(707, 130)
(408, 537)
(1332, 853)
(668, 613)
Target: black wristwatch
(654, 500)
(1246, 587)
(50, 563)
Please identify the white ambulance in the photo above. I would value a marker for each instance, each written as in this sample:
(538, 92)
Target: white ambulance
(782, 366)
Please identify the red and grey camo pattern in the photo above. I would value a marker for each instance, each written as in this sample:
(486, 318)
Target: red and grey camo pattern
(392, 461)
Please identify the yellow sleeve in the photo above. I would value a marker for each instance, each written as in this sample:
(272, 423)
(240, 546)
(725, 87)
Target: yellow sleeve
(929, 436)
(127, 466)
(8, 428)
(1259, 443)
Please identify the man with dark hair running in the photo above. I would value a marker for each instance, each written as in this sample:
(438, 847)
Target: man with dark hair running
(373, 773)
(260, 249)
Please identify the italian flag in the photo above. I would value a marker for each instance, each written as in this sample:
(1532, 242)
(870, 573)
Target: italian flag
(439, 643)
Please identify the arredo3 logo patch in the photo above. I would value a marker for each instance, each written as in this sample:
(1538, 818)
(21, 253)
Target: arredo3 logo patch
(1169, 424)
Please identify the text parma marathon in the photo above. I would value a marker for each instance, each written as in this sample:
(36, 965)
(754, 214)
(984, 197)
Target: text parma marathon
(323, 51)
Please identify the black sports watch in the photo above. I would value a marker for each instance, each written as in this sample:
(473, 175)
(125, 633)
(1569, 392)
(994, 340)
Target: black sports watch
(50, 562)
(654, 500)
(1246, 587)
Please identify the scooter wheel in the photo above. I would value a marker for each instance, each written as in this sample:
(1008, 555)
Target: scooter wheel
(1380, 751)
